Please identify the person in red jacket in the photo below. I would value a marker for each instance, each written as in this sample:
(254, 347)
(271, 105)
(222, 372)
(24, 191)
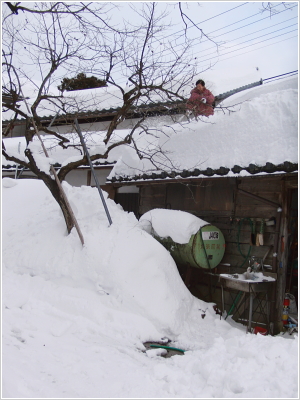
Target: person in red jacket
(201, 100)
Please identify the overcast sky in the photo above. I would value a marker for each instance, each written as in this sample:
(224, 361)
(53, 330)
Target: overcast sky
(252, 42)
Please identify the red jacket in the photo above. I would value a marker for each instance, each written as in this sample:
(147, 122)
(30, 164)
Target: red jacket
(195, 102)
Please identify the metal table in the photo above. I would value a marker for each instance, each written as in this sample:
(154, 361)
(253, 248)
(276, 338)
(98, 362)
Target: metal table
(246, 286)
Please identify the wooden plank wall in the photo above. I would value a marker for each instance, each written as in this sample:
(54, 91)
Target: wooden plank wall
(220, 202)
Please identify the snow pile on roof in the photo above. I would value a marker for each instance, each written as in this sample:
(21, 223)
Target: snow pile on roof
(263, 128)
(74, 319)
(178, 225)
(81, 101)
(110, 97)
(88, 101)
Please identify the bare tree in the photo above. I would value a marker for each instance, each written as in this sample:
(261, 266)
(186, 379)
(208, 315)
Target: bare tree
(50, 41)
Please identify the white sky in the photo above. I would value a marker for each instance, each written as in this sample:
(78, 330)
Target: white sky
(250, 38)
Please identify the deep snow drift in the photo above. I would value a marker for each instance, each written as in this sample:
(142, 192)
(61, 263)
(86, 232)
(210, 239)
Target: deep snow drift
(74, 318)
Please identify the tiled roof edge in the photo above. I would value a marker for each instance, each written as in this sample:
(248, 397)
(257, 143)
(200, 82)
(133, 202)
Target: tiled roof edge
(57, 165)
(253, 169)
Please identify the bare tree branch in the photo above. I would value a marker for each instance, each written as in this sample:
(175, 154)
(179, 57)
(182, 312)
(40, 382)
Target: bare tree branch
(48, 41)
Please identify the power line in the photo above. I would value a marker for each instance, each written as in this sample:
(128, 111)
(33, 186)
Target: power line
(258, 37)
(224, 12)
(263, 29)
(246, 52)
(253, 44)
(212, 47)
(254, 22)
(253, 15)
(278, 79)
(208, 19)
(277, 76)
(203, 52)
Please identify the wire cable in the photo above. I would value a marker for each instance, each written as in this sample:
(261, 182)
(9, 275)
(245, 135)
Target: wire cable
(208, 19)
(254, 22)
(277, 76)
(278, 79)
(202, 52)
(259, 48)
(253, 15)
(287, 73)
(260, 30)
(258, 37)
(253, 44)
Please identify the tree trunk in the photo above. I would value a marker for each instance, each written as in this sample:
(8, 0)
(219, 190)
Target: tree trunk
(53, 186)
(57, 194)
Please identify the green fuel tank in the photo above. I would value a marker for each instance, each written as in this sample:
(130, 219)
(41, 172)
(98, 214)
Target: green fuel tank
(205, 248)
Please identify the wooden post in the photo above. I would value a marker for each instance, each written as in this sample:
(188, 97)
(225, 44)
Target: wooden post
(89, 178)
(281, 266)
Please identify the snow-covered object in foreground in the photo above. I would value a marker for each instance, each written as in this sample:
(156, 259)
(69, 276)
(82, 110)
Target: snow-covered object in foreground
(178, 225)
(121, 260)
(69, 333)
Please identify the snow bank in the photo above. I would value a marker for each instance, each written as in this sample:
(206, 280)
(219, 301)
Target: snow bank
(74, 319)
(110, 258)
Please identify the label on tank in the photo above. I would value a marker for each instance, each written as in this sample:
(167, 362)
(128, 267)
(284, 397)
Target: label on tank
(212, 235)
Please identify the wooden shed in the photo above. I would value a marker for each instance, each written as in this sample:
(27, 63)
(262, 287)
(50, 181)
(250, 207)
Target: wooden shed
(242, 208)
(239, 173)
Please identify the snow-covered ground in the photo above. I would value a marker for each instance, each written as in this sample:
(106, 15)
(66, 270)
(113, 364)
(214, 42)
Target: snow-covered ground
(74, 318)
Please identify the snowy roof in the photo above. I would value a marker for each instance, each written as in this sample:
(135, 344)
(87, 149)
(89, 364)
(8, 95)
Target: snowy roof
(106, 100)
(88, 105)
(260, 136)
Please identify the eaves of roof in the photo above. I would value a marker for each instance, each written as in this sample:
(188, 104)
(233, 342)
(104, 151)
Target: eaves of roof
(152, 109)
(155, 109)
(96, 165)
(252, 169)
